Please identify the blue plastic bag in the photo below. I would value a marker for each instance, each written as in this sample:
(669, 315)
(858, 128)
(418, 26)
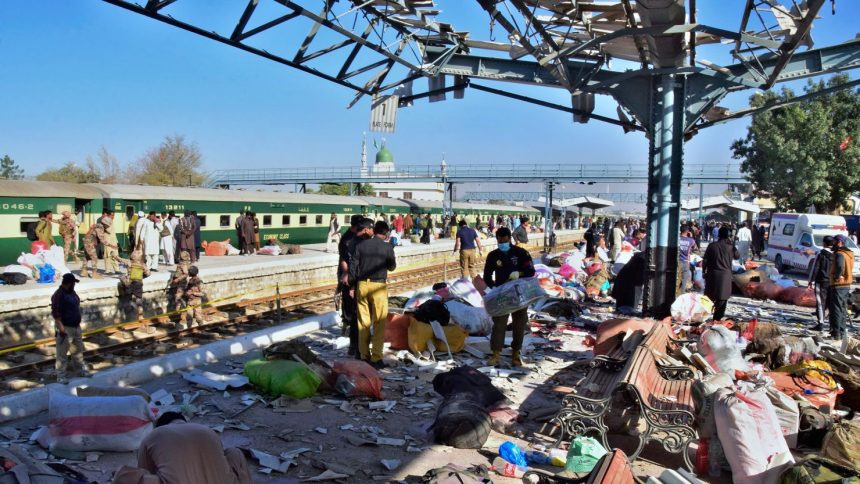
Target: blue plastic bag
(46, 274)
(513, 454)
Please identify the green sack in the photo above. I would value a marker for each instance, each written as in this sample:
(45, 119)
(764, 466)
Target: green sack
(282, 377)
(583, 454)
(817, 470)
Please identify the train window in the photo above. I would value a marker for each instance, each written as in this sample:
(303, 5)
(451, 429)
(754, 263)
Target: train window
(319, 219)
(346, 219)
(285, 220)
(25, 222)
(407, 195)
(788, 229)
(267, 220)
(224, 221)
(303, 219)
(202, 220)
(383, 194)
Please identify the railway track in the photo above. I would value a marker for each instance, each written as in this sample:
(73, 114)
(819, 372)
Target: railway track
(161, 334)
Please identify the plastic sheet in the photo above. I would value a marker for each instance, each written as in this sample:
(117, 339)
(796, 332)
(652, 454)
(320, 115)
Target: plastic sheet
(216, 247)
(718, 345)
(692, 307)
(474, 320)
(397, 331)
(269, 250)
(464, 289)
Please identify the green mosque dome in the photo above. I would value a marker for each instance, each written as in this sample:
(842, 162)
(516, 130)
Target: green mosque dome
(384, 156)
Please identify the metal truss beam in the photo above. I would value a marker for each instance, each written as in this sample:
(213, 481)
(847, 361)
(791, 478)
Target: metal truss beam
(632, 198)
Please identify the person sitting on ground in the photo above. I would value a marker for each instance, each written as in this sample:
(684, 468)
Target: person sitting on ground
(177, 451)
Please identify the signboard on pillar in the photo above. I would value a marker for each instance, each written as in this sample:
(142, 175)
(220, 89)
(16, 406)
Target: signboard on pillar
(383, 113)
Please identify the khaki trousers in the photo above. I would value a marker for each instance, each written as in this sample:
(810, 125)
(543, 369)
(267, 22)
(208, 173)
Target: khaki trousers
(468, 263)
(110, 260)
(372, 299)
(520, 320)
(69, 346)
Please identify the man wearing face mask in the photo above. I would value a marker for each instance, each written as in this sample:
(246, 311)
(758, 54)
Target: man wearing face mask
(507, 263)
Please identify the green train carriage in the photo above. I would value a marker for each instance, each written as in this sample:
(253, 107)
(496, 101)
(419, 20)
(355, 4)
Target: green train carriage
(22, 200)
(294, 218)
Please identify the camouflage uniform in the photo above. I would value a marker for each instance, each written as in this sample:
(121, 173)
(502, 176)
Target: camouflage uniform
(94, 236)
(68, 229)
(176, 289)
(194, 297)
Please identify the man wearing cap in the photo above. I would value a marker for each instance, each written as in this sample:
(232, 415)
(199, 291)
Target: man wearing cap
(369, 267)
(349, 316)
(44, 228)
(841, 277)
(110, 253)
(138, 230)
(820, 277)
(364, 231)
(96, 235)
(66, 311)
(467, 241)
(69, 231)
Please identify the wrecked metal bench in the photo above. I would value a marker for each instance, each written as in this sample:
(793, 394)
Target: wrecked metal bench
(662, 393)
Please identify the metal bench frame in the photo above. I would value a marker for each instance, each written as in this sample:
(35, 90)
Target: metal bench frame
(582, 415)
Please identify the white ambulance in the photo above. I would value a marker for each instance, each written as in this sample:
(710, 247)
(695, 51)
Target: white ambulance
(795, 239)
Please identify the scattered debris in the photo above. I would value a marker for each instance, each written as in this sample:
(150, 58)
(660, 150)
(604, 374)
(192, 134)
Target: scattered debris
(214, 380)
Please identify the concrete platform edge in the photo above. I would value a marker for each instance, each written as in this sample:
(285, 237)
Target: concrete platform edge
(32, 402)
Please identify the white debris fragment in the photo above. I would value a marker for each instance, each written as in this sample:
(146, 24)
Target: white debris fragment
(270, 461)
(390, 464)
(162, 397)
(390, 441)
(214, 380)
(326, 476)
(384, 405)
(321, 430)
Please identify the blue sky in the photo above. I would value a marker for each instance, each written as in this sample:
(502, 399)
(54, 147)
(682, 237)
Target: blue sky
(81, 74)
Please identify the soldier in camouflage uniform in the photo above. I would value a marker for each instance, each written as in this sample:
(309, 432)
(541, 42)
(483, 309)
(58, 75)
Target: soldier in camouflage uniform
(95, 235)
(194, 298)
(69, 231)
(176, 286)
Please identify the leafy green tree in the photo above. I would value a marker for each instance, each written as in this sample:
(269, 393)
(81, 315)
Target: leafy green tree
(70, 172)
(9, 169)
(174, 162)
(806, 153)
(342, 189)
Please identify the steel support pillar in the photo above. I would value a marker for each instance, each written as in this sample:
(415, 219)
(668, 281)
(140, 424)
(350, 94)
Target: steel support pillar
(351, 189)
(448, 199)
(665, 168)
(547, 218)
(701, 200)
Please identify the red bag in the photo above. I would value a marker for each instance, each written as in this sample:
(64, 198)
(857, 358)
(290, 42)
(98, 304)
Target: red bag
(769, 290)
(799, 296)
(611, 331)
(215, 248)
(38, 245)
(397, 331)
(355, 378)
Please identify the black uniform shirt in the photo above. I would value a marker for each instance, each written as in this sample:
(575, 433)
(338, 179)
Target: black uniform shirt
(343, 250)
(372, 260)
(500, 265)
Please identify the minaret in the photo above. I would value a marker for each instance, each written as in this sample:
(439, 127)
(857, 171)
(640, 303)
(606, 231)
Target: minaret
(364, 154)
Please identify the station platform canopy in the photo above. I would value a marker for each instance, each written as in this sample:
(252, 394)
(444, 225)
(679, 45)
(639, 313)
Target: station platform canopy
(720, 201)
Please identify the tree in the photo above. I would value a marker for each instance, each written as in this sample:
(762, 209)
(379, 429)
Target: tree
(174, 162)
(342, 189)
(106, 166)
(70, 172)
(806, 153)
(9, 169)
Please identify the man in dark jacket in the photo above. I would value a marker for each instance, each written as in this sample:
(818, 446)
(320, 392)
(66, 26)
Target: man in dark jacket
(841, 277)
(506, 263)
(717, 267)
(820, 277)
(66, 311)
(370, 265)
(349, 314)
